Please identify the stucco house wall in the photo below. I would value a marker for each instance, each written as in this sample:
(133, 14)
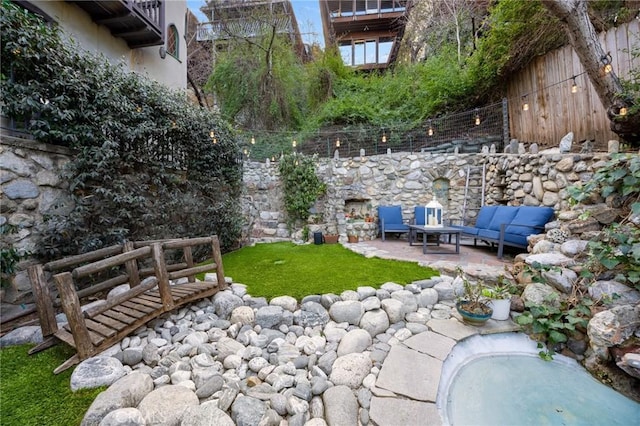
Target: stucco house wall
(97, 39)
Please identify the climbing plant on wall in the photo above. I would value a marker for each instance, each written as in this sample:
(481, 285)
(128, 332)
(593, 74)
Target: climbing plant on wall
(301, 185)
(148, 163)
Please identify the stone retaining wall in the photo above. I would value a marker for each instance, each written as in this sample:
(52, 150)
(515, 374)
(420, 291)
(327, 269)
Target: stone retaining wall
(32, 187)
(364, 183)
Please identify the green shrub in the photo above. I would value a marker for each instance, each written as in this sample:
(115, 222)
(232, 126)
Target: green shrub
(149, 164)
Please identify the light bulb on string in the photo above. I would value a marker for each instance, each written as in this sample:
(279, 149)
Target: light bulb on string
(574, 86)
(477, 118)
(253, 140)
(384, 137)
(430, 129)
(525, 104)
(623, 111)
(338, 143)
(294, 143)
(606, 62)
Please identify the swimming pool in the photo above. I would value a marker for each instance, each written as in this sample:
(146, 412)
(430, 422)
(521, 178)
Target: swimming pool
(500, 380)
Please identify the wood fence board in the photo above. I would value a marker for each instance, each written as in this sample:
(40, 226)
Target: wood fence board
(555, 111)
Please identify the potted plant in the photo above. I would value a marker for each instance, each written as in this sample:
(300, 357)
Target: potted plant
(499, 297)
(352, 237)
(472, 305)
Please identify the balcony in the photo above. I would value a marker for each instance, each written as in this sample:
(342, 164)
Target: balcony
(138, 22)
(243, 28)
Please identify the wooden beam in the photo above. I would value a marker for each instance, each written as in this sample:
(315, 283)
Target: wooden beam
(92, 268)
(43, 299)
(71, 307)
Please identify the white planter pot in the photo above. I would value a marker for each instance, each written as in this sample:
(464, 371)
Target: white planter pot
(501, 309)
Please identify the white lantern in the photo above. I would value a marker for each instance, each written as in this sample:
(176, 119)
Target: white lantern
(433, 214)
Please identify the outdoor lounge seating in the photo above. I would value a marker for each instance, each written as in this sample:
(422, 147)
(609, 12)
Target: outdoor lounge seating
(507, 225)
(391, 221)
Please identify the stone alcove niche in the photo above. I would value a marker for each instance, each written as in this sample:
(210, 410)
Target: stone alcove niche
(358, 208)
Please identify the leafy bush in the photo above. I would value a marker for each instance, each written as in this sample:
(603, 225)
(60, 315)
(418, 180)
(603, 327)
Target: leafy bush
(301, 185)
(149, 165)
(618, 247)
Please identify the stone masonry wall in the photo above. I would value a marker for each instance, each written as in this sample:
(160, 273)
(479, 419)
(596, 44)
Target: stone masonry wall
(411, 179)
(31, 187)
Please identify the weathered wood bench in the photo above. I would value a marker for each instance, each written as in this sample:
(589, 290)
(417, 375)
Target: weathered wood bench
(92, 330)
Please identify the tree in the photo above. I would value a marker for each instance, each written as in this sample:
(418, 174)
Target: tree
(582, 35)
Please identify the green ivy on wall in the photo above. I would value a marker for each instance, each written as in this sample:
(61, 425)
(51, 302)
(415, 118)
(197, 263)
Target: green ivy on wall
(301, 185)
(149, 164)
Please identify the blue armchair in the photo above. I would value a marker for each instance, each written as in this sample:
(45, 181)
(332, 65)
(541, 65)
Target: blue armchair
(391, 220)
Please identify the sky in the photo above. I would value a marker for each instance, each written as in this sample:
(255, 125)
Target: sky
(307, 14)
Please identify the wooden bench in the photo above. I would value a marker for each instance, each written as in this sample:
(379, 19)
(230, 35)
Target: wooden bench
(91, 331)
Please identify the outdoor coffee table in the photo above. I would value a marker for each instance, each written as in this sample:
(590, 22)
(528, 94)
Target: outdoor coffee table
(437, 232)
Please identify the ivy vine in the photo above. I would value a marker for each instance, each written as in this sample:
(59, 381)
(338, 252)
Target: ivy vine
(149, 164)
(301, 185)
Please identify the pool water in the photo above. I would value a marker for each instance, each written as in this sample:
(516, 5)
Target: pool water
(511, 385)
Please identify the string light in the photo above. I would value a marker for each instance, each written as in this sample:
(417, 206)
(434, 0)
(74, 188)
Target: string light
(623, 111)
(606, 61)
(212, 135)
(253, 140)
(574, 86)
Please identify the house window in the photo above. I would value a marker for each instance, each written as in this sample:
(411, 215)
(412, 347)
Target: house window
(173, 41)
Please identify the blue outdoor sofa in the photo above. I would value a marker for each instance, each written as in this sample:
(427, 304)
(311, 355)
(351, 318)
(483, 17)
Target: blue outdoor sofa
(507, 225)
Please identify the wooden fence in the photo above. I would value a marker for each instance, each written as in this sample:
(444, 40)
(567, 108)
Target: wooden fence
(554, 110)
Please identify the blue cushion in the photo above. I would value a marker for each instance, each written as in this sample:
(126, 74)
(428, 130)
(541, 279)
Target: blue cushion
(390, 215)
(504, 214)
(395, 227)
(509, 239)
(469, 230)
(418, 215)
(484, 216)
(513, 239)
(532, 216)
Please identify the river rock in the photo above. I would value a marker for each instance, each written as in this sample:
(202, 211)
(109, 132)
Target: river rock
(355, 341)
(95, 372)
(125, 392)
(156, 410)
(206, 414)
(341, 406)
(350, 370)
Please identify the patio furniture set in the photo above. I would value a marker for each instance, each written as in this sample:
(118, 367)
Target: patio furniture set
(496, 225)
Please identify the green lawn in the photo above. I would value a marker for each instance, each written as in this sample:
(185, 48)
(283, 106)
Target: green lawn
(279, 269)
(30, 394)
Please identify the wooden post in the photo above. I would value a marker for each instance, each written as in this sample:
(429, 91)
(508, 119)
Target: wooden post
(217, 257)
(131, 266)
(44, 301)
(188, 257)
(163, 276)
(71, 307)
